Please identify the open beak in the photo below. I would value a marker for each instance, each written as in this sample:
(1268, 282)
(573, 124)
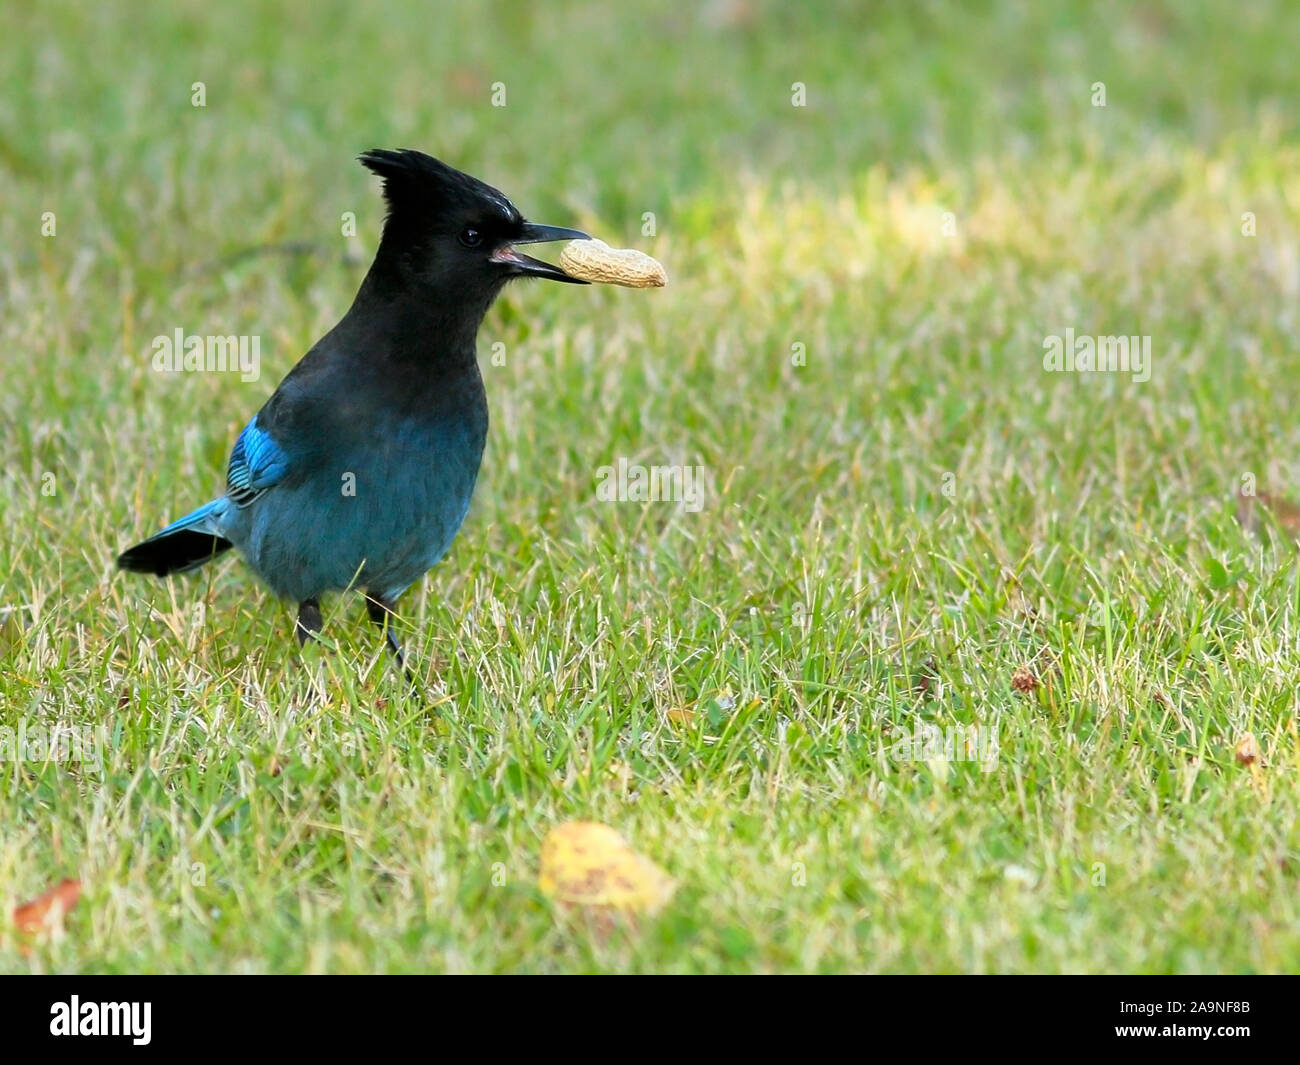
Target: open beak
(525, 265)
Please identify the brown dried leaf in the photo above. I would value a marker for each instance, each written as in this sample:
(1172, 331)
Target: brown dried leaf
(48, 910)
(1025, 680)
(1284, 512)
(927, 679)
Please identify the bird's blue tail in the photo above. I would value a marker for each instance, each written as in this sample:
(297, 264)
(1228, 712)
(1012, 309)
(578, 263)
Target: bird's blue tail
(182, 546)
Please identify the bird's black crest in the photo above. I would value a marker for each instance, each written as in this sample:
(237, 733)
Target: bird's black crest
(418, 183)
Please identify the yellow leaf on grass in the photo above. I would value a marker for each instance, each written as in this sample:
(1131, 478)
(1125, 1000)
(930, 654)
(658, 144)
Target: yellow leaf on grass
(589, 864)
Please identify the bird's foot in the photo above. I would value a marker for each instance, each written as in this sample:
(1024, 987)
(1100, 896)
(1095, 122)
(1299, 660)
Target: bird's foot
(309, 621)
(382, 613)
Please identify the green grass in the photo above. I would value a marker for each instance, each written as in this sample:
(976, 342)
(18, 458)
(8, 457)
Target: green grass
(830, 584)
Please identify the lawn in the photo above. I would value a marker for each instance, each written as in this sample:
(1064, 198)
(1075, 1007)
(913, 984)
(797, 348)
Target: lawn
(873, 217)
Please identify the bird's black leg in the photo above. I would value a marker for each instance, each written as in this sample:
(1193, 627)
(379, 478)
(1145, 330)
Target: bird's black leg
(381, 613)
(309, 620)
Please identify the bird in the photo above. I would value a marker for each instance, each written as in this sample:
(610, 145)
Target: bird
(357, 472)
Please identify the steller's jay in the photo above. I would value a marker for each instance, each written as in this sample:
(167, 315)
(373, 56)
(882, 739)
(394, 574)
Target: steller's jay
(358, 471)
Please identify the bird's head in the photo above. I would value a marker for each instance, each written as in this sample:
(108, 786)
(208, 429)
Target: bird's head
(445, 227)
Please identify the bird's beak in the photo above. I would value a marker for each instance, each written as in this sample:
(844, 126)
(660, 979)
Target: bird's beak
(525, 265)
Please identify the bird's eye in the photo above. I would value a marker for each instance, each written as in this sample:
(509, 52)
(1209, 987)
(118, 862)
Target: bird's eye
(471, 237)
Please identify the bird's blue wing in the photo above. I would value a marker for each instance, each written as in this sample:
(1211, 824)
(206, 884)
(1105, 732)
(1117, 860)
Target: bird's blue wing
(256, 464)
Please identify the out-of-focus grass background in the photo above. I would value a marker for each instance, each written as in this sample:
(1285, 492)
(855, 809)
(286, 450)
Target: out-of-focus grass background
(831, 596)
